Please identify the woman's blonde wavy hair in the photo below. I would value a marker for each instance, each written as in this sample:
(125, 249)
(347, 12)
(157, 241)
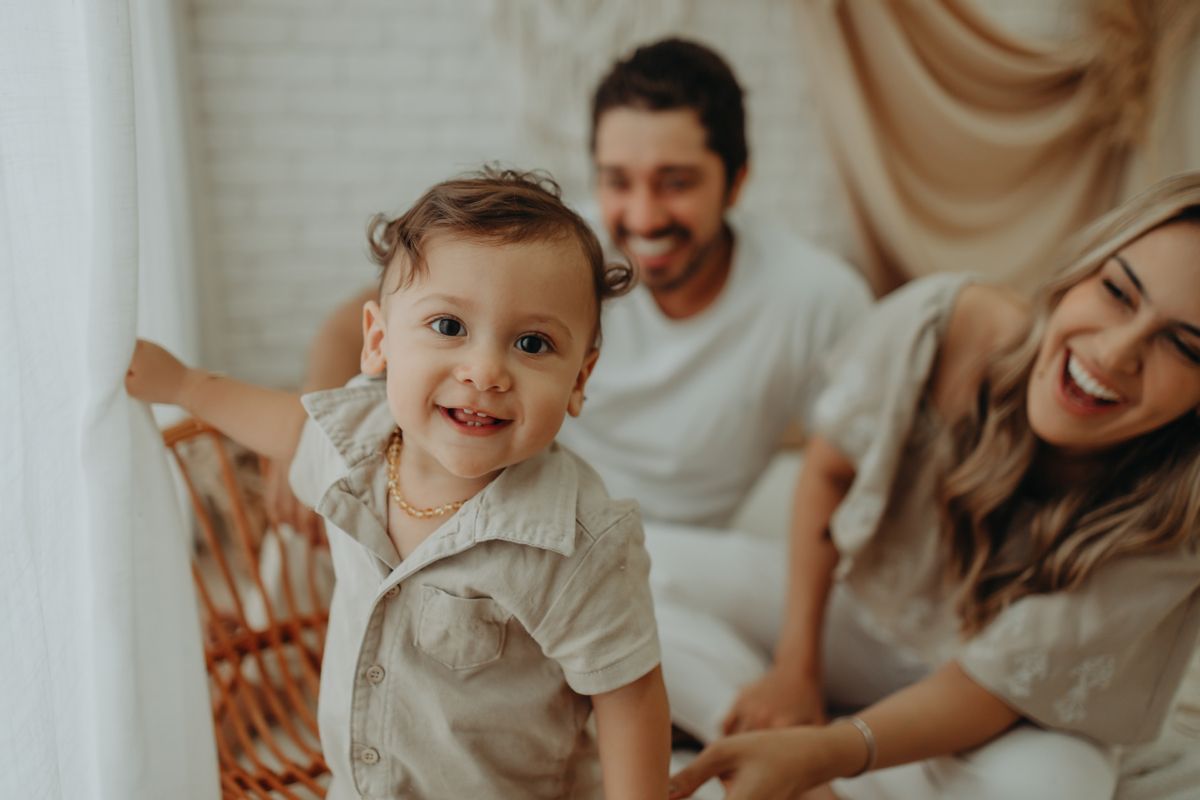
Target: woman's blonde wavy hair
(1148, 498)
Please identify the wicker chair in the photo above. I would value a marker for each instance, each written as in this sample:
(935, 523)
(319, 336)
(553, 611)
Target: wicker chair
(263, 597)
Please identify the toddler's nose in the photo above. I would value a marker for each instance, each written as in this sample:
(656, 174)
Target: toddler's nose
(486, 370)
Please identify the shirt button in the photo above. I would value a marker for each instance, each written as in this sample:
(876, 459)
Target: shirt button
(375, 673)
(369, 755)
(392, 592)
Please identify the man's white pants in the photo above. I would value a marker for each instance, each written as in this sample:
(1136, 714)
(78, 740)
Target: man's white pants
(718, 597)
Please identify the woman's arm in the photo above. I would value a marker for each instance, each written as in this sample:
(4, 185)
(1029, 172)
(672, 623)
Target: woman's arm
(790, 693)
(633, 729)
(946, 713)
(267, 421)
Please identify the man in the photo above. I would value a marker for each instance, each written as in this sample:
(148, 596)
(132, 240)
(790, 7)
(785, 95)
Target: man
(703, 367)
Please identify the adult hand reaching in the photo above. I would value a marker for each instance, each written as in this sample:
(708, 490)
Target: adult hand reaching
(768, 765)
(781, 698)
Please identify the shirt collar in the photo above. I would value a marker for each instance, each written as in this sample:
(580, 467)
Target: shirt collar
(533, 502)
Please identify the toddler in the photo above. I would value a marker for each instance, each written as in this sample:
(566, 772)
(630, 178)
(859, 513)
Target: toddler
(489, 594)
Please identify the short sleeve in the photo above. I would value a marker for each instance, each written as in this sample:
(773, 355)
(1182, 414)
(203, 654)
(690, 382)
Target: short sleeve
(845, 302)
(1104, 660)
(310, 472)
(876, 378)
(344, 426)
(600, 625)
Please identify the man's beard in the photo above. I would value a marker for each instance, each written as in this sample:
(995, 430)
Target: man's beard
(694, 266)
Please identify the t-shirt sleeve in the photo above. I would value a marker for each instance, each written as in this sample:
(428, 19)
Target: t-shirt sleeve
(600, 626)
(1104, 660)
(309, 474)
(844, 304)
(876, 379)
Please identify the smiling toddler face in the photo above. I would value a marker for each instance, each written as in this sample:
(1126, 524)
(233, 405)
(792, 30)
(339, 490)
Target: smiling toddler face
(487, 349)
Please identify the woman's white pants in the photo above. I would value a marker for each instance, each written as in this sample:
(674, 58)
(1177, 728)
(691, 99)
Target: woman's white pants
(719, 599)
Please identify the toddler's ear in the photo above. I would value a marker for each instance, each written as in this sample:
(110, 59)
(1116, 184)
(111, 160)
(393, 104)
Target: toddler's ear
(575, 401)
(372, 360)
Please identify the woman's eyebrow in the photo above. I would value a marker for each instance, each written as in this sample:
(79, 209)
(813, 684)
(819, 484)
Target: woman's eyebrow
(1132, 275)
(1191, 329)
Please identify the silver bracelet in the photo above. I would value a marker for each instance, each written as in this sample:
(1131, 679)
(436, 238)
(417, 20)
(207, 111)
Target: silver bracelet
(868, 736)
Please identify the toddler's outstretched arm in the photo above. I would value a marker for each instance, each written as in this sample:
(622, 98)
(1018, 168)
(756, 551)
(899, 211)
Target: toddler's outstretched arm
(633, 728)
(267, 421)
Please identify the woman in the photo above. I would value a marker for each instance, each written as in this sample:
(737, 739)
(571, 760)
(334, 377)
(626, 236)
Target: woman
(1010, 495)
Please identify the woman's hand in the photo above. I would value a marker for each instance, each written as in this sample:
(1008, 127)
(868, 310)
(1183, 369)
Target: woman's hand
(771, 765)
(781, 698)
(155, 376)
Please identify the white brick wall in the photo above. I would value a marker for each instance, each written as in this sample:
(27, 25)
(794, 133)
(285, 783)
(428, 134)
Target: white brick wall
(310, 115)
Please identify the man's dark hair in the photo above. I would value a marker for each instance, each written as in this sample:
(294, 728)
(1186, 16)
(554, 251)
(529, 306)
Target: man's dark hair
(673, 74)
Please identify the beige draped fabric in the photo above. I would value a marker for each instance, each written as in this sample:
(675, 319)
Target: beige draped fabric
(964, 149)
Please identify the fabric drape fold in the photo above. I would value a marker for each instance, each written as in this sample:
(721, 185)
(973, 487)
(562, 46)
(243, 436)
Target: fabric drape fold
(964, 149)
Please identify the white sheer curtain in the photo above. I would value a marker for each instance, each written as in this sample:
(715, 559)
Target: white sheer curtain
(102, 680)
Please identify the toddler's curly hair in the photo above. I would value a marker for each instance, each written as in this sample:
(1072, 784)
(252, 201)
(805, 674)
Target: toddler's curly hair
(493, 206)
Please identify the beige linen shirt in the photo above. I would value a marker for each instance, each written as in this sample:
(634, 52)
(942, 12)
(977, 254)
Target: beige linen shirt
(1104, 660)
(463, 671)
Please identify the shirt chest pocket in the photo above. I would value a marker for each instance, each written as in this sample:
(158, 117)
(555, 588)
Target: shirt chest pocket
(460, 632)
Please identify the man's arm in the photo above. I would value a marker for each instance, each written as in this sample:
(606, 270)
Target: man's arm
(633, 730)
(267, 421)
(334, 356)
(333, 359)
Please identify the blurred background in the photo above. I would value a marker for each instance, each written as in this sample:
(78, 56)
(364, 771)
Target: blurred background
(304, 117)
(201, 172)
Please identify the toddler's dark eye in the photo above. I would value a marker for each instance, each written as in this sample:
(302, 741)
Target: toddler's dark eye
(533, 344)
(448, 326)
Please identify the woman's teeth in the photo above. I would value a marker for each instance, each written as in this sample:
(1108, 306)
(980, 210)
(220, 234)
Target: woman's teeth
(650, 248)
(1088, 383)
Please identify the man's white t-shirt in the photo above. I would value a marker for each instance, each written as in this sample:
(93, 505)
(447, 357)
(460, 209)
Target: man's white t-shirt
(684, 415)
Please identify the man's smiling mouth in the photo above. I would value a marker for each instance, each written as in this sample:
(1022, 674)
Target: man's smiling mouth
(657, 247)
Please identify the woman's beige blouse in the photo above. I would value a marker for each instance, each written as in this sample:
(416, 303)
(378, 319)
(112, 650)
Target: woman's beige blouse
(1104, 660)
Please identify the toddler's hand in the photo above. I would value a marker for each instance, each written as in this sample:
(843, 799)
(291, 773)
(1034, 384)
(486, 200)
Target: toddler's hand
(154, 375)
